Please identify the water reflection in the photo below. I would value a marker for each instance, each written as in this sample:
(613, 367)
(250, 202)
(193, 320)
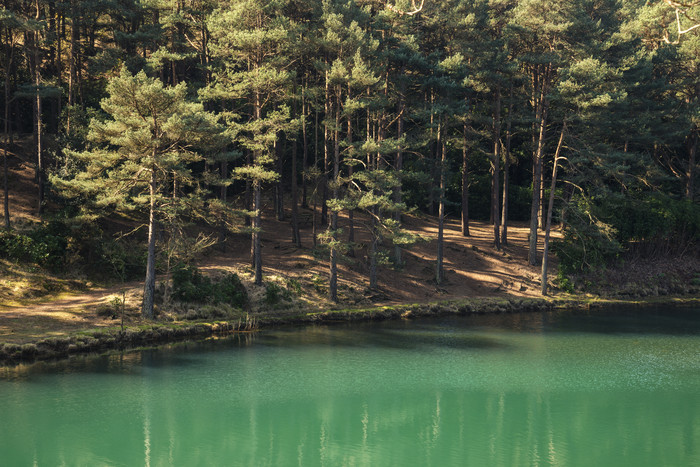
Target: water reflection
(442, 428)
(449, 391)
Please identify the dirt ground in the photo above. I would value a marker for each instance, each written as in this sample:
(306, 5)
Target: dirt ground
(473, 268)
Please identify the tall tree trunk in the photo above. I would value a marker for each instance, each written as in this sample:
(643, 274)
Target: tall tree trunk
(279, 185)
(248, 196)
(692, 152)
(4, 180)
(439, 272)
(314, 223)
(434, 165)
(398, 166)
(38, 117)
(257, 253)
(59, 64)
(333, 280)
(465, 183)
(373, 249)
(72, 74)
(550, 208)
(542, 212)
(326, 154)
(537, 171)
(351, 212)
(296, 238)
(257, 206)
(506, 172)
(150, 283)
(223, 230)
(6, 130)
(305, 149)
(495, 192)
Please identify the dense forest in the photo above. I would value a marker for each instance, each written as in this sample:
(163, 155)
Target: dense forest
(146, 118)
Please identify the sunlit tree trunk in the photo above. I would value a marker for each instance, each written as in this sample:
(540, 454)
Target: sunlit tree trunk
(541, 121)
(296, 238)
(150, 283)
(495, 166)
(6, 127)
(333, 281)
(439, 272)
(398, 166)
(550, 208)
(351, 212)
(465, 183)
(506, 172)
(38, 116)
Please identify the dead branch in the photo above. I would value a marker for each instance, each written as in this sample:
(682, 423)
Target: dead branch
(681, 8)
(416, 9)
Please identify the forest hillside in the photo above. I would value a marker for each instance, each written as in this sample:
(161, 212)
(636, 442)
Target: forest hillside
(350, 152)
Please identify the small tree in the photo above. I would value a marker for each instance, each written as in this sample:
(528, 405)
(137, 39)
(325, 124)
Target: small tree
(144, 149)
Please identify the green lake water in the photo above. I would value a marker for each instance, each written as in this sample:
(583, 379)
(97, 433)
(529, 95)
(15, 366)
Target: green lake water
(614, 388)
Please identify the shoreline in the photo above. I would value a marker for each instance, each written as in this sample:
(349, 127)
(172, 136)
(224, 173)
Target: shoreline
(153, 334)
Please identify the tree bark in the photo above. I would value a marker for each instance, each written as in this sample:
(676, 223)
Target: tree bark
(692, 153)
(351, 212)
(223, 230)
(465, 182)
(38, 116)
(550, 208)
(495, 191)
(506, 172)
(433, 167)
(257, 253)
(296, 237)
(279, 185)
(305, 149)
(6, 128)
(257, 207)
(150, 282)
(326, 155)
(333, 280)
(537, 171)
(398, 166)
(373, 247)
(439, 273)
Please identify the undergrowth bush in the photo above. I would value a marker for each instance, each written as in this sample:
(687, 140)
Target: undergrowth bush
(275, 294)
(654, 224)
(45, 245)
(587, 241)
(600, 230)
(190, 285)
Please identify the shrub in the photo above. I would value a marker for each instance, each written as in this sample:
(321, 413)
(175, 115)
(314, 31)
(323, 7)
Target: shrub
(294, 286)
(654, 221)
(274, 294)
(564, 283)
(587, 241)
(190, 285)
(45, 245)
(231, 290)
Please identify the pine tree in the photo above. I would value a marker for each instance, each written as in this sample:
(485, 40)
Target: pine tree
(541, 33)
(149, 140)
(249, 40)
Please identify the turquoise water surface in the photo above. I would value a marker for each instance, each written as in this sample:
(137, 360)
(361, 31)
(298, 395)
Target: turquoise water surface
(613, 388)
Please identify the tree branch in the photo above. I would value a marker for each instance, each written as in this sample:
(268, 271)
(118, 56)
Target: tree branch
(681, 7)
(416, 9)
